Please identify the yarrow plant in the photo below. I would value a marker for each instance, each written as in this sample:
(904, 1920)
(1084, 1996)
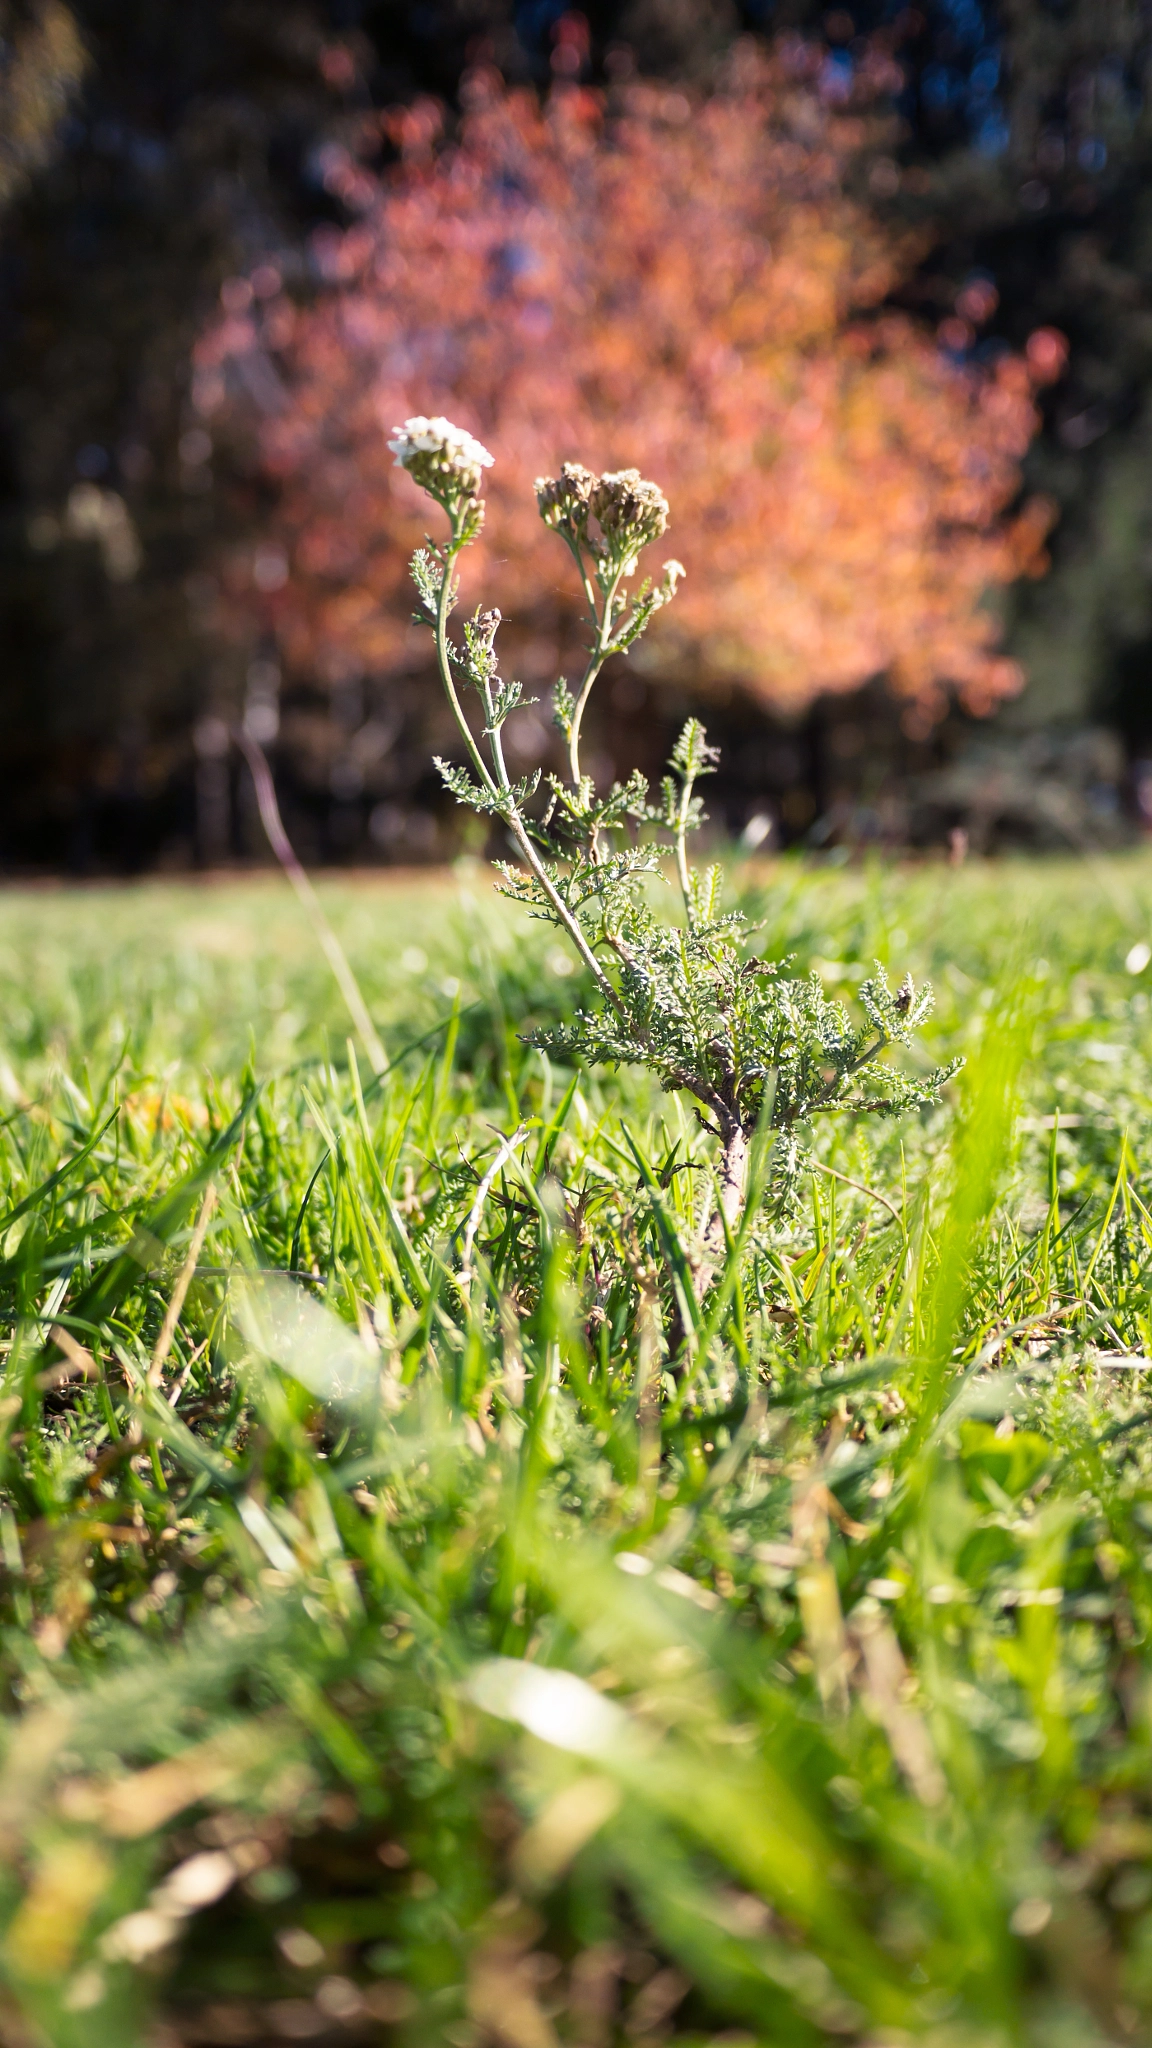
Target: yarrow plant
(750, 1046)
(442, 458)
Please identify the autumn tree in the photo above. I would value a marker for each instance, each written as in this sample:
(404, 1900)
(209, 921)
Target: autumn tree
(41, 64)
(686, 285)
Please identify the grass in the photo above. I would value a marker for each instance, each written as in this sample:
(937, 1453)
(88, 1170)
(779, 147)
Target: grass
(398, 1645)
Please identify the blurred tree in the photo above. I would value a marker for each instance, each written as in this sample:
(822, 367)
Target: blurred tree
(1027, 145)
(1081, 162)
(680, 285)
(197, 138)
(1028, 142)
(186, 149)
(41, 64)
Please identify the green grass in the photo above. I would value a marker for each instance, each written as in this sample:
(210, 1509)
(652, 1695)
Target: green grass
(413, 1650)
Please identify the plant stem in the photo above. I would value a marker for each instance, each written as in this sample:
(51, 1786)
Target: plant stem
(571, 926)
(602, 625)
(499, 785)
(732, 1189)
(444, 662)
(682, 851)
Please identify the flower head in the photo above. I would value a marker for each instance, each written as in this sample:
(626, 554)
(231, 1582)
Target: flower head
(563, 500)
(446, 461)
(631, 512)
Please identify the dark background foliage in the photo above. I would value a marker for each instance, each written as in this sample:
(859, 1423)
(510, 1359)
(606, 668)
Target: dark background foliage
(189, 147)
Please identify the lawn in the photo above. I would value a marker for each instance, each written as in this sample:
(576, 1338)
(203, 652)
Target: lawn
(419, 1627)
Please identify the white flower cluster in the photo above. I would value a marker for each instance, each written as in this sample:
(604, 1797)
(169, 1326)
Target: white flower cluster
(443, 458)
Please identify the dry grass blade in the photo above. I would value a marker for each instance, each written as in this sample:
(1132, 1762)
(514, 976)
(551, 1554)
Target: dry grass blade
(504, 1153)
(78, 1361)
(179, 1292)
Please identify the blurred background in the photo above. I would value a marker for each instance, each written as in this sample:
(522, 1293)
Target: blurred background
(866, 289)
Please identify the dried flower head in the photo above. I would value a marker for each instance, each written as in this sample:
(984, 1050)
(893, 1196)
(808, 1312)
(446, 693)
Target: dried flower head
(563, 500)
(445, 460)
(631, 512)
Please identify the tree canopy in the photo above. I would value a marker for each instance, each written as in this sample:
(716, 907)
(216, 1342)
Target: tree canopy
(682, 283)
(170, 148)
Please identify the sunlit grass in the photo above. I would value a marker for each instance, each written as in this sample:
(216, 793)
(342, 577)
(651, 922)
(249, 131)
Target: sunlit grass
(414, 1648)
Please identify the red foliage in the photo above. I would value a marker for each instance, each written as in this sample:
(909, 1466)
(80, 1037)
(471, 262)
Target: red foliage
(687, 287)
